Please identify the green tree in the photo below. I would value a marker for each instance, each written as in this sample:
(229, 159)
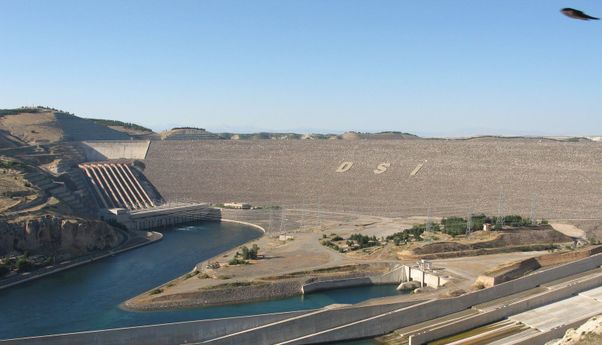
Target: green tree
(254, 252)
(245, 253)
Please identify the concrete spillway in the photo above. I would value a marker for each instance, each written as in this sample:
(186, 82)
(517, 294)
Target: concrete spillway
(116, 186)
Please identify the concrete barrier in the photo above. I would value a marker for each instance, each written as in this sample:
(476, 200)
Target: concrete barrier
(305, 324)
(335, 284)
(396, 275)
(170, 333)
(103, 150)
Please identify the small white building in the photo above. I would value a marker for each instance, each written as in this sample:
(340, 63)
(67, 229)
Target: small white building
(238, 205)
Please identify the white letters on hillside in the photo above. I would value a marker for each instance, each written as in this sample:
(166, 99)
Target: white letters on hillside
(344, 167)
(381, 168)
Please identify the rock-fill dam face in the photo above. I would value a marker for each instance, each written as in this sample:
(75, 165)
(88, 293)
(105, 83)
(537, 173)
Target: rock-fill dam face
(541, 178)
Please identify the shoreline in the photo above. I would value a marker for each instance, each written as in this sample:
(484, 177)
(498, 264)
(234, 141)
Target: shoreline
(155, 237)
(126, 305)
(242, 292)
(259, 227)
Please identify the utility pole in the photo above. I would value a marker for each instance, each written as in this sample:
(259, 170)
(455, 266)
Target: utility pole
(429, 222)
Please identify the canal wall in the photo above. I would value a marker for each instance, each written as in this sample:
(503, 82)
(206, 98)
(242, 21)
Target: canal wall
(329, 324)
(162, 334)
(260, 228)
(335, 284)
(546, 297)
(295, 327)
(398, 274)
(372, 326)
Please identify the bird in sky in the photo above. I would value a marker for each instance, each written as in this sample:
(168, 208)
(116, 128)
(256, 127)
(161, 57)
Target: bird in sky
(576, 14)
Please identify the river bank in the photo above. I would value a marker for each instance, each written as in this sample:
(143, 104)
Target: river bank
(149, 238)
(241, 291)
(87, 297)
(286, 263)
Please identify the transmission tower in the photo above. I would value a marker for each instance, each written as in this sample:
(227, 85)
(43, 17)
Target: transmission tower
(500, 217)
(271, 218)
(469, 223)
(534, 208)
(319, 212)
(282, 219)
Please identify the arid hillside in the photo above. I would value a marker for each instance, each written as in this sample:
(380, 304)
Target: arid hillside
(42, 125)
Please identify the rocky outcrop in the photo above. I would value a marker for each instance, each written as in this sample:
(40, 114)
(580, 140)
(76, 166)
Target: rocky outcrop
(51, 235)
(589, 333)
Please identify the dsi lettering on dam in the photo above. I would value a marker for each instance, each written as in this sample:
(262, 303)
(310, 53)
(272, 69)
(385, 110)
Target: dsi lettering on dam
(386, 178)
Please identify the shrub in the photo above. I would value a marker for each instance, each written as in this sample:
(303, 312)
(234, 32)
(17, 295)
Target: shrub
(414, 233)
(330, 244)
(454, 226)
(249, 254)
(363, 241)
(155, 292)
(237, 261)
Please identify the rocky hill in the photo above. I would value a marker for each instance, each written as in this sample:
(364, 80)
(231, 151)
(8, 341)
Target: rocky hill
(52, 235)
(45, 125)
(133, 130)
(188, 133)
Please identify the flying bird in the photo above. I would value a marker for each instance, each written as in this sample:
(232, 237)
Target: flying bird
(576, 14)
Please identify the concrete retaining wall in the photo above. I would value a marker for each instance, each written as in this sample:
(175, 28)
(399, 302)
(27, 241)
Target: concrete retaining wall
(555, 333)
(104, 150)
(396, 275)
(327, 325)
(335, 284)
(390, 321)
(503, 312)
(308, 324)
(164, 334)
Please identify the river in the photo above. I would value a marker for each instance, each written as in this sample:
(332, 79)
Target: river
(88, 297)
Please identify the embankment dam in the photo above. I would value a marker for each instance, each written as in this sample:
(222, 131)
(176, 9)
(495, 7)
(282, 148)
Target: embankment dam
(547, 178)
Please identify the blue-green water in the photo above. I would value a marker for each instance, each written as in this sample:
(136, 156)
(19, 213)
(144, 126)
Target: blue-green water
(88, 297)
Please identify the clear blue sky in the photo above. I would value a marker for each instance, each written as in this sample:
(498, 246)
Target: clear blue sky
(430, 67)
